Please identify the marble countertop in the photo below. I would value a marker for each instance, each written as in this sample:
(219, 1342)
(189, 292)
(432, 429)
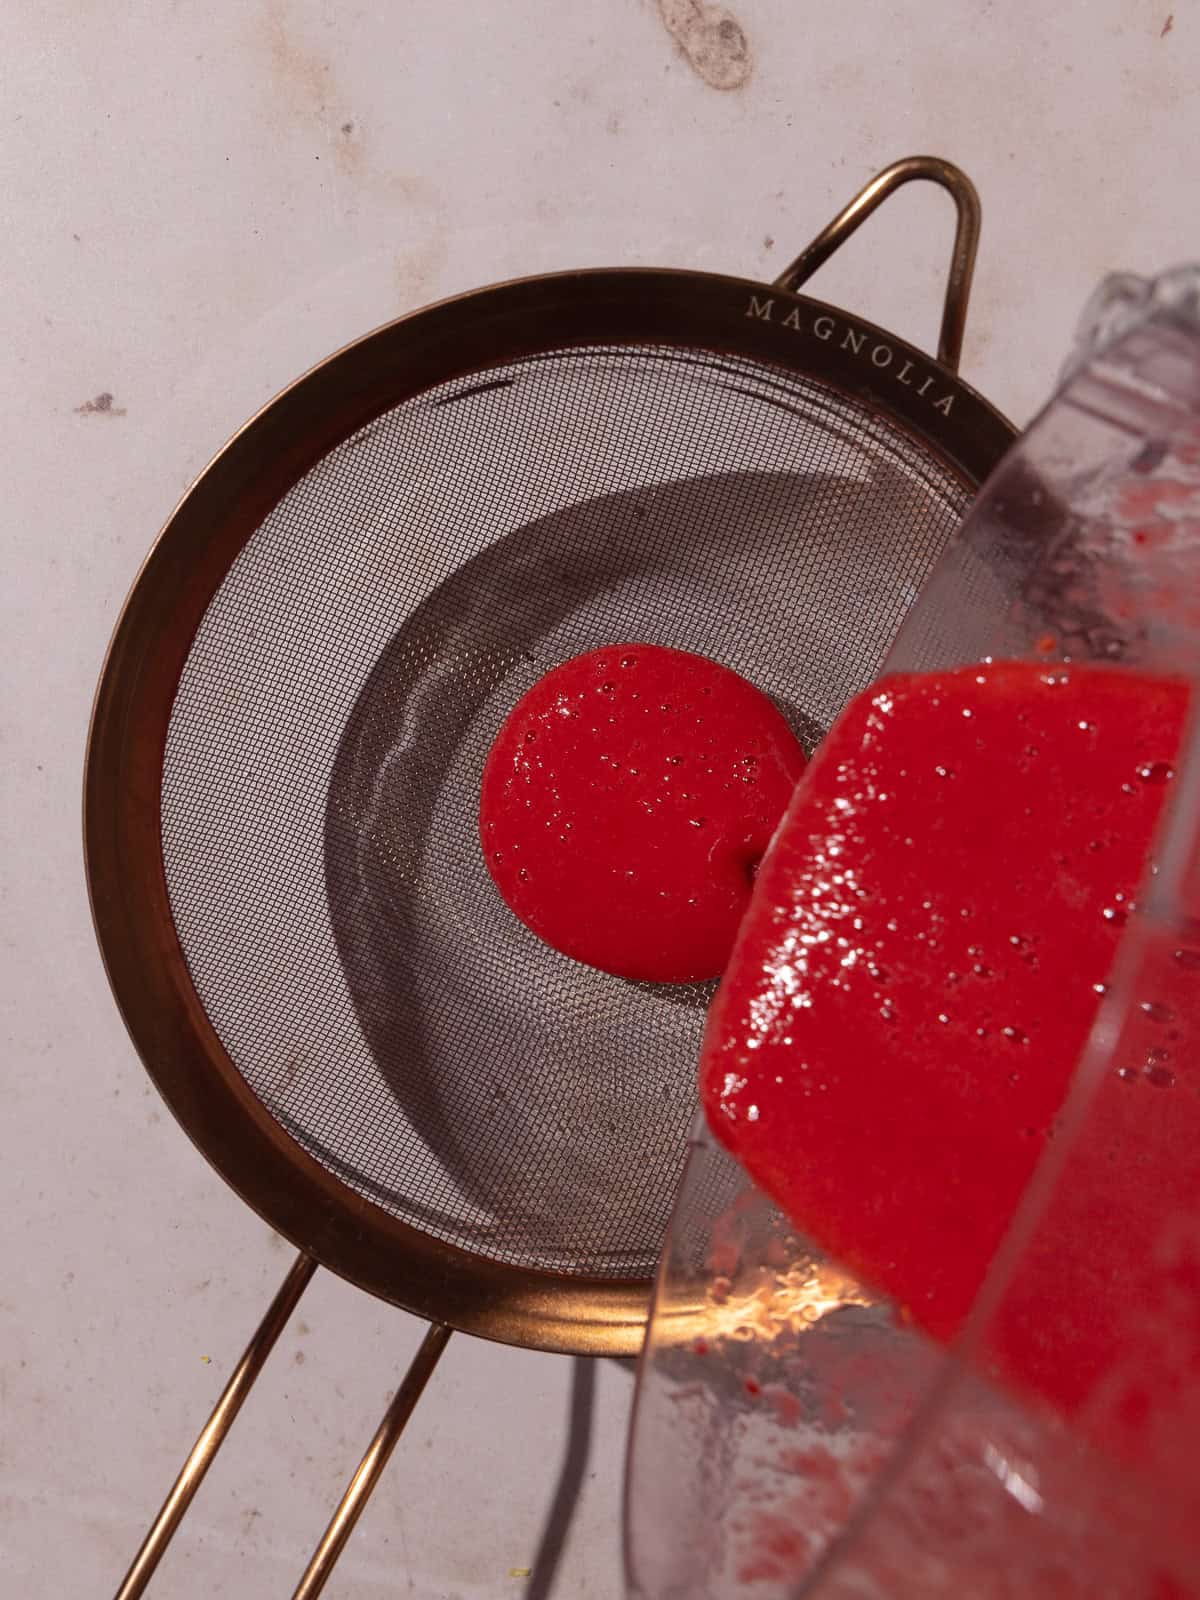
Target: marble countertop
(201, 202)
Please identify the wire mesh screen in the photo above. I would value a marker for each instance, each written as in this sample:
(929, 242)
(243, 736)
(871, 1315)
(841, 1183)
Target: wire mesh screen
(321, 776)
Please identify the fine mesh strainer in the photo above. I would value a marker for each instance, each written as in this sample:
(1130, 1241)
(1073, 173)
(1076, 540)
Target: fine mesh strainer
(284, 764)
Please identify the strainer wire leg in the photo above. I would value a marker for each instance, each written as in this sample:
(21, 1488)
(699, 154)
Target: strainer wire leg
(215, 1429)
(370, 1468)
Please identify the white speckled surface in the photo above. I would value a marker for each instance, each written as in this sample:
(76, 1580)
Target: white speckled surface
(198, 203)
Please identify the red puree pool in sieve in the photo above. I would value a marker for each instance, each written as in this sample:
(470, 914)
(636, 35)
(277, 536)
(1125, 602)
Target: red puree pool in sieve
(626, 805)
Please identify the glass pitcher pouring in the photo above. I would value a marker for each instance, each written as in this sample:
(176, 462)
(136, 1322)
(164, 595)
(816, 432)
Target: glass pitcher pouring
(794, 1434)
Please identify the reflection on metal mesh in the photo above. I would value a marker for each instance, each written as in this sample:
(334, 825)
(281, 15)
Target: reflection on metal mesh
(322, 769)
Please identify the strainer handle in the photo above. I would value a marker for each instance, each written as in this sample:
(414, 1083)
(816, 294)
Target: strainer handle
(358, 1491)
(218, 1425)
(966, 239)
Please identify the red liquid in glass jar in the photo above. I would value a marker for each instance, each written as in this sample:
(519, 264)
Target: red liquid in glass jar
(914, 985)
(626, 804)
